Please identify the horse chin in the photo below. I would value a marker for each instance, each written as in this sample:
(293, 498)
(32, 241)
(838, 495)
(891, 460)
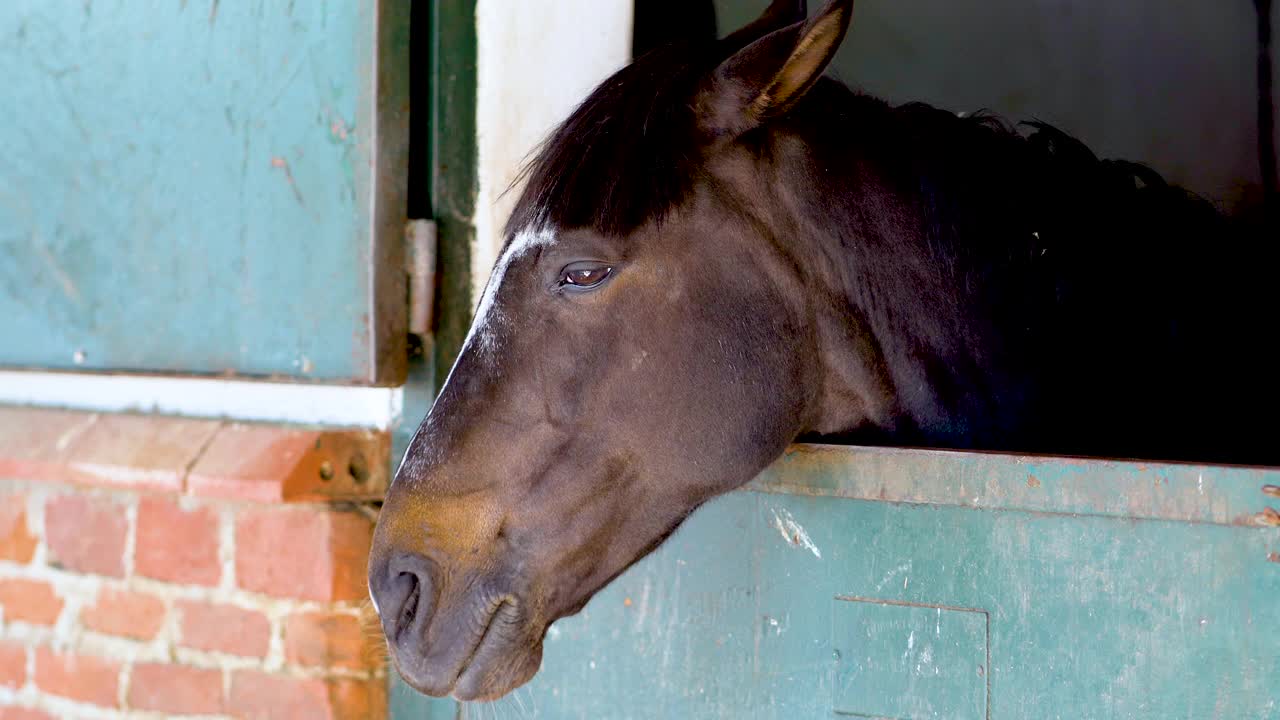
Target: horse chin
(498, 667)
(489, 679)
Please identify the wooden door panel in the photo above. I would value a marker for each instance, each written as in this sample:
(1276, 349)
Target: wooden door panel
(204, 187)
(795, 598)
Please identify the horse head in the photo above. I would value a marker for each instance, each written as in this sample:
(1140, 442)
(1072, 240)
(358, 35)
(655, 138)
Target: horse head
(643, 344)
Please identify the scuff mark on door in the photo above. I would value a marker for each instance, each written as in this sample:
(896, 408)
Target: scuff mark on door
(794, 533)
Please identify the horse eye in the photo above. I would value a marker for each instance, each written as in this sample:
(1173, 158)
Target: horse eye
(585, 275)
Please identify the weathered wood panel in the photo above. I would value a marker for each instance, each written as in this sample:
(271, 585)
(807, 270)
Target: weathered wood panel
(1105, 597)
(204, 186)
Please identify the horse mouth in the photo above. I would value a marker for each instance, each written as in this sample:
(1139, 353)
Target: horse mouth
(495, 663)
(492, 669)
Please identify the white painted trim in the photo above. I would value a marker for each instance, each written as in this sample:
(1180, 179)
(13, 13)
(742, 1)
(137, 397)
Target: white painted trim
(536, 60)
(305, 404)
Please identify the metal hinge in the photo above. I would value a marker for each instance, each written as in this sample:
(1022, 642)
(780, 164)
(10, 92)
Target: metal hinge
(420, 264)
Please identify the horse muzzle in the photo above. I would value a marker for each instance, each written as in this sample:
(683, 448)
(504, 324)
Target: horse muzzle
(476, 644)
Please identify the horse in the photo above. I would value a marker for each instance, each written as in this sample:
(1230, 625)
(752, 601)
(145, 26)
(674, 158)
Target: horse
(722, 251)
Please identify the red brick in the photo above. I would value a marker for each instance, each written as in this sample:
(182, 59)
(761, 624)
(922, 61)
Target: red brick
(86, 534)
(13, 664)
(129, 614)
(258, 695)
(133, 451)
(29, 601)
(224, 628)
(83, 678)
(140, 451)
(175, 689)
(34, 443)
(303, 552)
(331, 640)
(21, 713)
(251, 462)
(177, 545)
(267, 464)
(17, 544)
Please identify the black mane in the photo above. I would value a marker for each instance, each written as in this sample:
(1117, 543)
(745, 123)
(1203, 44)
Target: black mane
(629, 154)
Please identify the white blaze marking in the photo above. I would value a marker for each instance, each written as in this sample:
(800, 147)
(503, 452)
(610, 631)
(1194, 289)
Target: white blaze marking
(481, 334)
(487, 315)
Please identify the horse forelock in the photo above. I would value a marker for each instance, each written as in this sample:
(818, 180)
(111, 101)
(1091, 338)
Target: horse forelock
(627, 156)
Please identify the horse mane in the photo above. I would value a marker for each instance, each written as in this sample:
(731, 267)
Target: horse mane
(629, 153)
(1099, 278)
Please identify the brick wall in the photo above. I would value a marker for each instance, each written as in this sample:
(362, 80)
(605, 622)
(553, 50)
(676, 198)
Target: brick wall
(132, 603)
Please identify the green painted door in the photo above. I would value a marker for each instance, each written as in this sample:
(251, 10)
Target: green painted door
(917, 585)
(204, 187)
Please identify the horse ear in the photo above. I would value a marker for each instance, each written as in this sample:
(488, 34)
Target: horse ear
(778, 15)
(768, 77)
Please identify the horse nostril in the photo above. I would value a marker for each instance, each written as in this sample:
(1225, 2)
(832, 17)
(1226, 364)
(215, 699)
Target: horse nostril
(402, 589)
(410, 608)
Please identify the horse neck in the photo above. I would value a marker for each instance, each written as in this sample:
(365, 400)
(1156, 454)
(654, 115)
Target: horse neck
(910, 347)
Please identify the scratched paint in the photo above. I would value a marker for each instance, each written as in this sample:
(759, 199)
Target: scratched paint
(794, 533)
